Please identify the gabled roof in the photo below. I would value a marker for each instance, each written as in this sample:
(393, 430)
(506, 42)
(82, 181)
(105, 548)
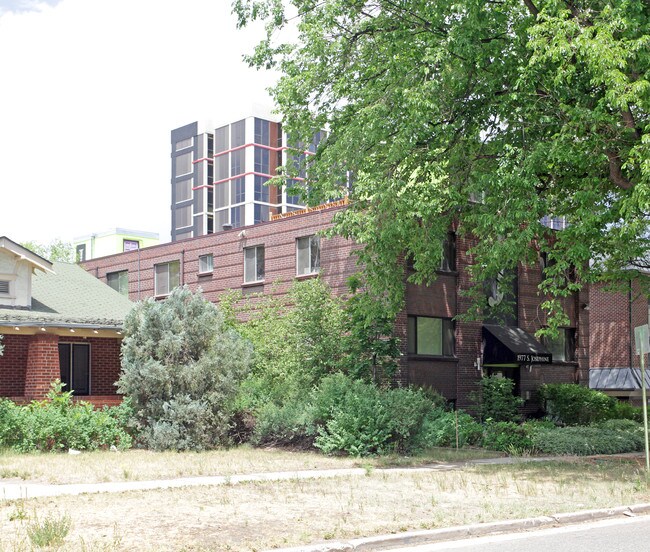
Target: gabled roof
(69, 297)
(32, 258)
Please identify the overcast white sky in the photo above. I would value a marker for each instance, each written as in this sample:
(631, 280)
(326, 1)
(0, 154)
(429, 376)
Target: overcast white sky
(89, 92)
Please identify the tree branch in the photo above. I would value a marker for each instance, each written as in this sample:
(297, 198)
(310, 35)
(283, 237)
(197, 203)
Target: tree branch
(616, 172)
(532, 8)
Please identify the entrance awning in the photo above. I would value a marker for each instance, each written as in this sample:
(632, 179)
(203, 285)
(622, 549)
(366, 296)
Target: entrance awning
(512, 345)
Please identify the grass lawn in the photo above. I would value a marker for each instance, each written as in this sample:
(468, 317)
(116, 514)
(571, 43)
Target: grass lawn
(261, 515)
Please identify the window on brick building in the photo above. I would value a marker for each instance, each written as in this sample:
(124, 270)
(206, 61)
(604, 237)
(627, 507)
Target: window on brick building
(206, 264)
(448, 261)
(74, 363)
(254, 264)
(119, 281)
(167, 276)
(563, 346)
(307, 255)
(427, 335)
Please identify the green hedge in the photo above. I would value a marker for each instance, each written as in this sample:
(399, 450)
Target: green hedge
(587, 440)
(58, 423)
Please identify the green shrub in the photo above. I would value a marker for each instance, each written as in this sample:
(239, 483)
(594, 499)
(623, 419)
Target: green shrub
(440, 428)
(496, 401)
(407, 409)
(289, 424)
(351, 417)
(181, 368)
(572, 404)
(625, 411)
(58, 423)
(507, 437)
(586, 440)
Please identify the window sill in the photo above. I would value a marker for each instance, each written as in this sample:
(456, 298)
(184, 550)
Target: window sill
(204, 274)
(252, 284)
(438, 358)
(307, 276)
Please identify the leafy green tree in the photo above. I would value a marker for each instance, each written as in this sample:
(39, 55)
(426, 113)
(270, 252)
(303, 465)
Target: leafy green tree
(297, 338)
(530, 108)
(56, 250)
(181, 368)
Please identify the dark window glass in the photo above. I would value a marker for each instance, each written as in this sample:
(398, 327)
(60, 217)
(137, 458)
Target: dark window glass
(119, 281)
(238, 190)
(81, 253)
(261, 189)
(261, 212)
(237, 162)
(237, 216)
(430, 336)
(262, 135)
(262, 157)
(563, 346)
(449, 253)
(74, 363)
(210, 145)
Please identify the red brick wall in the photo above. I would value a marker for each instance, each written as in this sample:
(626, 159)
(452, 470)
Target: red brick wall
(13, 365)
(278, 237)
(42, 365)
(609, 336)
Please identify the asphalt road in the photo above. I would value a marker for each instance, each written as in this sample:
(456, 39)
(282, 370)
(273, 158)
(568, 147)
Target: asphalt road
(612, 535)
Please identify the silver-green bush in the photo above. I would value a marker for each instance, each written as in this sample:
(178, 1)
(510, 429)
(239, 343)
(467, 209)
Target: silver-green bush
(181, 369)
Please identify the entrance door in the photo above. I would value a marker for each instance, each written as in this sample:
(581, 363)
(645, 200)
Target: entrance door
(511, 371)
(74, 362)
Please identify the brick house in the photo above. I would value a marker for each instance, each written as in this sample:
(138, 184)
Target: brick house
(437, 351)
(57, 321)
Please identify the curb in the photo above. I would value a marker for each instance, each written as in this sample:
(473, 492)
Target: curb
(415, 538)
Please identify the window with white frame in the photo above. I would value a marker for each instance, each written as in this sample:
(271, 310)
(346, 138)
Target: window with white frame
(167, 276)
(254, 264)
(307, 255)
(206, 264)
(427, 335)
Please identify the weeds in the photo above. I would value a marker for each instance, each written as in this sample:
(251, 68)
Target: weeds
(51, 531)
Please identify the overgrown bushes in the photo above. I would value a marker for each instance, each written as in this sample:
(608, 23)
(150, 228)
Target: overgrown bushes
(58, 423)
(571, 404)
(181, 368)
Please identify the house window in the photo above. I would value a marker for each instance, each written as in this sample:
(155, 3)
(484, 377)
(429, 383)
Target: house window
(4, 287)
(130, 245)
(74, 364)
(183, 164)
(430, 336)
(206, 264)
(167, 276)
(448, 263)
(119, 281)
(307, 255)
(563, 346)
(81, 253)
(254, 264)
(182, 144)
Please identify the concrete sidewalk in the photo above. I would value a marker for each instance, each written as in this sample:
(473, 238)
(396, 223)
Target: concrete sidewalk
(14, 491)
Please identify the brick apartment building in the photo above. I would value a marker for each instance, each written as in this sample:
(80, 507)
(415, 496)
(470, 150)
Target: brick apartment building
(437, 351)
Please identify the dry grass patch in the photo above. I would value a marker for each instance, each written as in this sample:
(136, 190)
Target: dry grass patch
(260, 515)
(142, 465)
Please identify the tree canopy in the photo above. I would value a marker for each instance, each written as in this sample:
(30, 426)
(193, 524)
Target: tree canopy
(493, 116)
(56, 250)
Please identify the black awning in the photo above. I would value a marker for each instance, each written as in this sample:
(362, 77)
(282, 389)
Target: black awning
(512, 345)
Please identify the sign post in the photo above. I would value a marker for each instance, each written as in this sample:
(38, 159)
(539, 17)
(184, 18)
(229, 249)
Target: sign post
(642, 342)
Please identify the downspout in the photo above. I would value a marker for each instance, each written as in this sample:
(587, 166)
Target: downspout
(630, 330)
(182, 267)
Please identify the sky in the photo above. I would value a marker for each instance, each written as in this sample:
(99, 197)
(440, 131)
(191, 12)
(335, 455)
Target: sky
(89, 92)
